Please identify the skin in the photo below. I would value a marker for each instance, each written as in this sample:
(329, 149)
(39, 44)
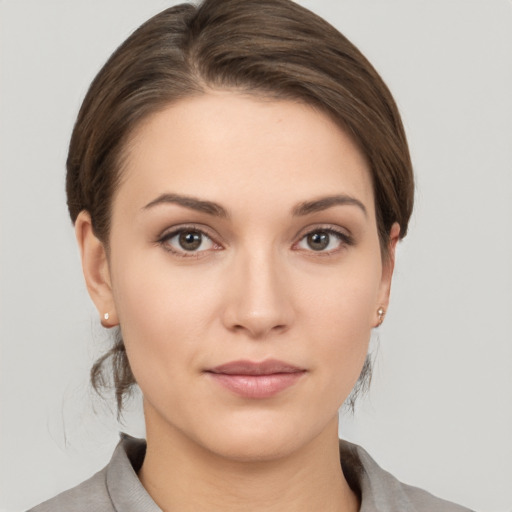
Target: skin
(254, 289)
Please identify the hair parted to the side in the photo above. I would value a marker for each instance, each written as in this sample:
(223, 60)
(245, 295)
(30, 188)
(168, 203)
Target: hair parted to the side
(272, 48)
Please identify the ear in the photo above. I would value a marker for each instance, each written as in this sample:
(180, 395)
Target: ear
(388, 265)
(95, 269)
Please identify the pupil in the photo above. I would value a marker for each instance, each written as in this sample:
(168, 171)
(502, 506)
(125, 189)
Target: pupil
(318, 241)
(190, 240)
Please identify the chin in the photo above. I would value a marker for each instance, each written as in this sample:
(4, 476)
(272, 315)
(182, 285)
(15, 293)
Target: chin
(261, 439)
(254, 446)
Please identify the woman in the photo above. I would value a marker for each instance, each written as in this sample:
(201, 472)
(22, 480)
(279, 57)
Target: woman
(239, 178)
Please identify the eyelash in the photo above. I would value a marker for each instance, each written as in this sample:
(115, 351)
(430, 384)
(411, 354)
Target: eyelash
(164, 239)
(345, 240)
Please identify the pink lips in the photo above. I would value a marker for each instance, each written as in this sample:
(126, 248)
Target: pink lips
(256, 380)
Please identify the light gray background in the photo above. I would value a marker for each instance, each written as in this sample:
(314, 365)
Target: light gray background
(439, 414)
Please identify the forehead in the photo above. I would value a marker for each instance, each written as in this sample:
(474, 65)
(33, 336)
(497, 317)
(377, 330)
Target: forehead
(235, 148)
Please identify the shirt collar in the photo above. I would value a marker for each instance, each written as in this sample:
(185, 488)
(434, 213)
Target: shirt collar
(371, 483)
(124, 487)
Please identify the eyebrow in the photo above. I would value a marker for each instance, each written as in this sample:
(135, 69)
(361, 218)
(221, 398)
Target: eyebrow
(190, 202)
(215, 209)
(323, 203)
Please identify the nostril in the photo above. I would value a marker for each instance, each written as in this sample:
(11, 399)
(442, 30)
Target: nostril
(259, 329)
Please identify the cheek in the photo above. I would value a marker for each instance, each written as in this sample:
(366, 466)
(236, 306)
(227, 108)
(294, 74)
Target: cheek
(345, 297)
(338, 315)
(163, 311)
(344, 325)
(141, 298)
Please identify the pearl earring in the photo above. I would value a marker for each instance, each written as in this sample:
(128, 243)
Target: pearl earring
(106, 316)
(380, 312)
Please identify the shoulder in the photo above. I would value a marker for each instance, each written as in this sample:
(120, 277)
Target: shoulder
(89, 495)
(422, 501)
(381, 491)
(115, 488)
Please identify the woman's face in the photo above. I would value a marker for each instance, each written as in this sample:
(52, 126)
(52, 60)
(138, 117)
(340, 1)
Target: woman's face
(244, 270)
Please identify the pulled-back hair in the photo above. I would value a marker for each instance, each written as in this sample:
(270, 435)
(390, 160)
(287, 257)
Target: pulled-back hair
(271, 48)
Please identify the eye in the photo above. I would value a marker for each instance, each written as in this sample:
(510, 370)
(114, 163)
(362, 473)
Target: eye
(187, 242)
(324, 240)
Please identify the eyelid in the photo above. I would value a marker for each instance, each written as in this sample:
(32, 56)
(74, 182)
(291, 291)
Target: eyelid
(171, 232)
(192, 226)
(346, 238)
(311, 228)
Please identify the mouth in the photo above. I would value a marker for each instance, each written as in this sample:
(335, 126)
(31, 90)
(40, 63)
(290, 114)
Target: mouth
(256, 380)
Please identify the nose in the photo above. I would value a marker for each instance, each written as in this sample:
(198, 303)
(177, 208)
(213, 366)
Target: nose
(258, 298)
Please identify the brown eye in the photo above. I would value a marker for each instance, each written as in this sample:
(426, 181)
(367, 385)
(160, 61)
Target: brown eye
(324, 240)
(187, 242)
(190, 240)
(318, 240)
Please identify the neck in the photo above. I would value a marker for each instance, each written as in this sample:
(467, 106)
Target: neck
(180, 474)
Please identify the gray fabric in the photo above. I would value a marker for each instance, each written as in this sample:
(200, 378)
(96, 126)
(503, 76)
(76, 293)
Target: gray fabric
(382, 492)
(116, 488)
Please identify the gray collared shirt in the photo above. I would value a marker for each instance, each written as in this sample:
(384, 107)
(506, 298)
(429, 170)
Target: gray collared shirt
(116, 488)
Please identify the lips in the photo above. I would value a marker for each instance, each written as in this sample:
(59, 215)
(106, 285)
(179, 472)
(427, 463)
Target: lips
(256, 379)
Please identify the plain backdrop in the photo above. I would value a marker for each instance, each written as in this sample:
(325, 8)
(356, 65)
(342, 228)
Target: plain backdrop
(439, 414)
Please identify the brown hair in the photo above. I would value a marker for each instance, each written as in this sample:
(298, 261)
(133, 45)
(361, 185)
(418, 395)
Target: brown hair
(273, 48)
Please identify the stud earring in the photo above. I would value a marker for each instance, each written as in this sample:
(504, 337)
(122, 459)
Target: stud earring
(106, 316)
(380, 312)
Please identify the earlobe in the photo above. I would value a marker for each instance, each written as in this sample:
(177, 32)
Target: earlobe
(388, 266)
(96, 270)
